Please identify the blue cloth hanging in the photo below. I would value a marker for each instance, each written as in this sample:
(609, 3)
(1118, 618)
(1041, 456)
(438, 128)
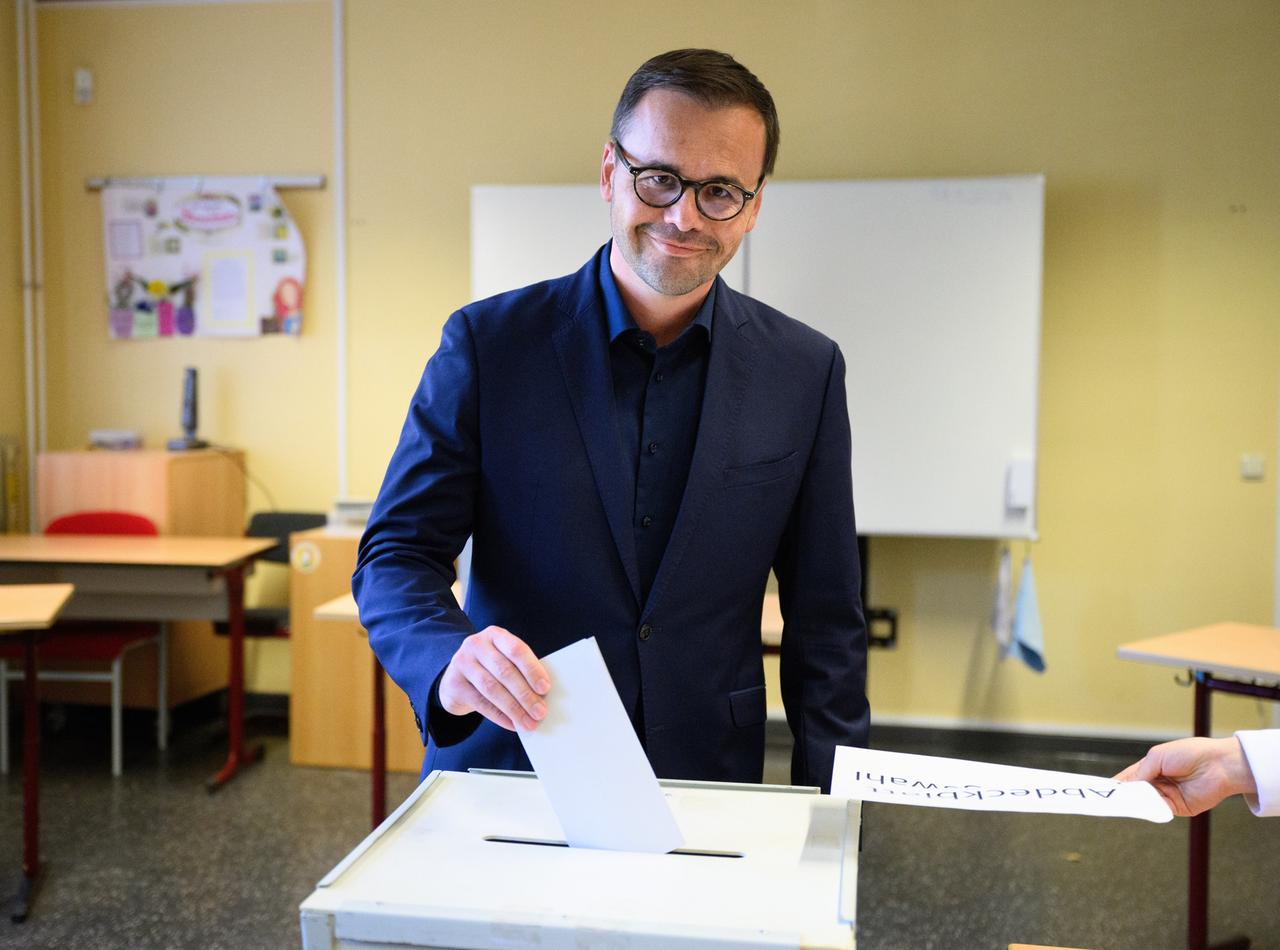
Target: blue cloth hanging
(1028, 634)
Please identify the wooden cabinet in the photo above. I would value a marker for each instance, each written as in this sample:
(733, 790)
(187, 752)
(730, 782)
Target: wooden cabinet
(331, 695)
(192, 493)
(200, 492)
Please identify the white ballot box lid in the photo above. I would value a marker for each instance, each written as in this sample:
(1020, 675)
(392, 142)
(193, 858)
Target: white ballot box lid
(428, 876)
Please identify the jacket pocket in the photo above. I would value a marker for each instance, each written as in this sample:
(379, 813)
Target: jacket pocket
(747, 706)
(758, 473)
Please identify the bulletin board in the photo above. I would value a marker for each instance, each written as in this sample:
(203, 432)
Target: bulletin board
(200, 256)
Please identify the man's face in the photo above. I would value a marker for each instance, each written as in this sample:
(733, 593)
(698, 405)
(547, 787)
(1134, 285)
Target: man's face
(676, 250)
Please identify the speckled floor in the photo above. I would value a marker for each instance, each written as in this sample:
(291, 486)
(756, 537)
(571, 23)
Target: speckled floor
(151, 861)
(952, 879)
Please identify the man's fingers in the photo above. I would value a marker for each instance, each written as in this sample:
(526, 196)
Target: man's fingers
(495, 674)
(485, 708)
(518, 652)
(490, 689)
(462, 691)
(505, 686)
(461, 695)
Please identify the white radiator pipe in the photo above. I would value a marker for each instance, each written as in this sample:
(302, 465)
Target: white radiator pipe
(37, 243)
(21, 13)
(340, 234)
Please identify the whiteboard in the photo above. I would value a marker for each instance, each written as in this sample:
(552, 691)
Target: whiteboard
(931, 288)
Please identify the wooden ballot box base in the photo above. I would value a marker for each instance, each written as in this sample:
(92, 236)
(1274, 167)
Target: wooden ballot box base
(442, 871)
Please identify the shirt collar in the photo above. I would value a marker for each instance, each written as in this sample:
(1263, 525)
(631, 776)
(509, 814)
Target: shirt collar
(619, 318)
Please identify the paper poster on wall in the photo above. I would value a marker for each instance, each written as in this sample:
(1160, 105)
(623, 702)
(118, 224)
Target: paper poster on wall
(200, 257)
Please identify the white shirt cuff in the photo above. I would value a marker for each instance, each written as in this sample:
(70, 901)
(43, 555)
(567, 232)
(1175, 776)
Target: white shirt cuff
(1262, 749)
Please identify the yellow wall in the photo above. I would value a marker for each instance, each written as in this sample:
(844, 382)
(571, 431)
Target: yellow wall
(12, 370)
(1155, 123)
(223, 88)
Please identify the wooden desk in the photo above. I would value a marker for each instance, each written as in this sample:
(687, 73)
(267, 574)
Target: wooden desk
(344, 609)
(25, 610)
(151, 578)
(1247, 654)
(340, 608)
(26, 607)
(329, 713)
(771, 624)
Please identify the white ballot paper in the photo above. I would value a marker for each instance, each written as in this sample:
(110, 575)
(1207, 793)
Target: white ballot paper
(903, 779)
(590, 763)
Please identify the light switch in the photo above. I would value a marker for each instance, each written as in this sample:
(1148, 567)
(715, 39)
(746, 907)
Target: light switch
(83, 87)
(1253, 468)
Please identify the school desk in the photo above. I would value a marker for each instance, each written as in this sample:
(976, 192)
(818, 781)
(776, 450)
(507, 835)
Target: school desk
(168, 577)
(344, 609)
(25, 610)
(1226, 658)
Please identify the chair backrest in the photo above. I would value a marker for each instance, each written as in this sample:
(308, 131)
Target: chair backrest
(279, 525)
(101, 522)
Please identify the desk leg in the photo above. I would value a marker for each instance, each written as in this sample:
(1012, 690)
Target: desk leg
(237, 754)
(1198, 865)
(379, 776)
(30, 783)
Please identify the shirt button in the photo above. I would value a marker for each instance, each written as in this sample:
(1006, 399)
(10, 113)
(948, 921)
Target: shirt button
(659, 377)
(646, 632)
(653, 448)
(646, 521)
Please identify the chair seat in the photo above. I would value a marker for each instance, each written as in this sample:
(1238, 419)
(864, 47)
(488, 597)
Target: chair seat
(99, 642)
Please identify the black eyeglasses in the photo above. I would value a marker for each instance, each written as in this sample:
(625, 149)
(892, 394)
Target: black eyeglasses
(661, 188)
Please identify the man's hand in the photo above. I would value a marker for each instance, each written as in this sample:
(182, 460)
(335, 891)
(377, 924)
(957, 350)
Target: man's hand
(1194, 774)
(495, 674)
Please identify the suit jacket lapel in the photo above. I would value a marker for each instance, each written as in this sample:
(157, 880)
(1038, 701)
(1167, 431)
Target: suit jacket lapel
(728, 372)
(582, 347)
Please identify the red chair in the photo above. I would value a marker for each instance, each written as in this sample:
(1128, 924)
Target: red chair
(93, 641)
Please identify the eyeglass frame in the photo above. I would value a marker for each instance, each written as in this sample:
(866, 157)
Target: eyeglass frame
(685, 184)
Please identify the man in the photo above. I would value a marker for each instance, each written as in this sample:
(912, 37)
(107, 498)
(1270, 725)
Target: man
(632, 447)
(1195, 774)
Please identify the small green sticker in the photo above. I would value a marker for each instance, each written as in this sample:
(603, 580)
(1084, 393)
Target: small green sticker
(144, 324)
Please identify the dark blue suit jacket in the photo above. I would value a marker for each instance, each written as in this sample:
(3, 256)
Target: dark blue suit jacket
(511, 437)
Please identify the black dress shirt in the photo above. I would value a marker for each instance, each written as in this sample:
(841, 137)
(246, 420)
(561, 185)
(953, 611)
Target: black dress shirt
(657, 401)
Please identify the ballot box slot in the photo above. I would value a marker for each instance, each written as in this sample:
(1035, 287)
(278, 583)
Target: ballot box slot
(553, 843)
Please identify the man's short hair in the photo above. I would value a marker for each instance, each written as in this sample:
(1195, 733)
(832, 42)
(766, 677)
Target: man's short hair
(712, 78)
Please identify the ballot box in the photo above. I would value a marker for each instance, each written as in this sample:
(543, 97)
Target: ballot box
(460, 865)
